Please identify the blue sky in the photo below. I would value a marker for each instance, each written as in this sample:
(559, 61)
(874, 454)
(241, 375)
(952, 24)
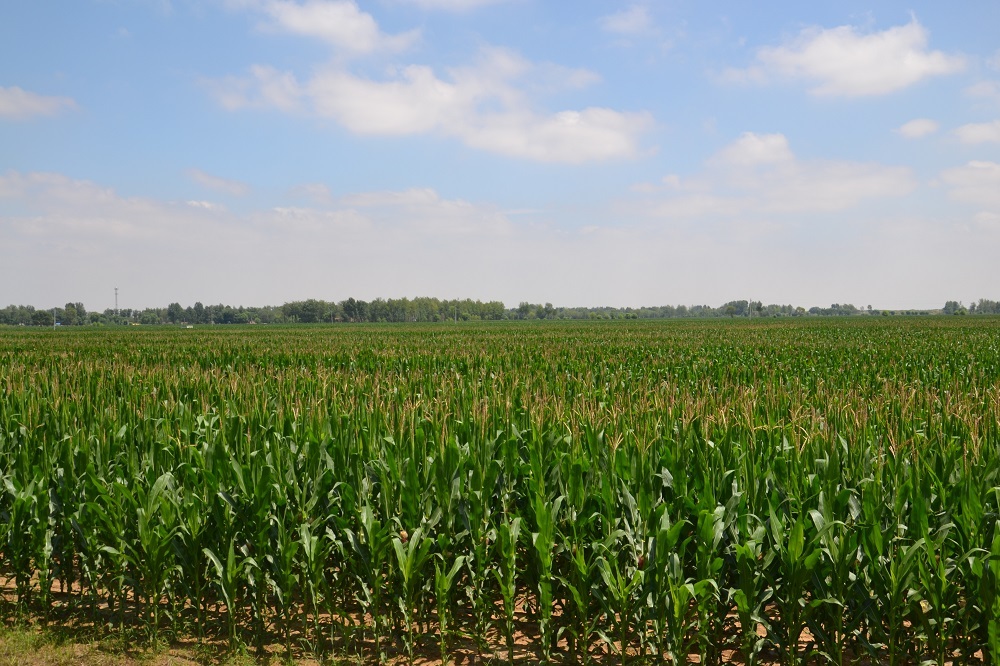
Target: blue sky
(585, 153)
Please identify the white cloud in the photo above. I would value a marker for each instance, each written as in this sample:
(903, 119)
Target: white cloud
(416, 242)
(414, 102)
(988, 90)
(451, 5)
(758, 176)
(63, 210)
(316, 192)
(485, 105)
(987, 220)
(592, 134)
(918, 128)
(234, 188)
(978, 182)
(18, 104)
(344, 225)
(340, 23)
(979, 132)
(755, 149)
(631, 21)
(206, 205)
(265, 87)
(844, 61)
(426, 243)
(424, 209)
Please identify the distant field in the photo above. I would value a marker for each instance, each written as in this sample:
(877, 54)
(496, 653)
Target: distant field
(773, 491)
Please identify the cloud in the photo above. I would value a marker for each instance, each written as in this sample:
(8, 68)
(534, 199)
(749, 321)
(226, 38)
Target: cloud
(985, 90)
(415, 101)
(416, 242)
(206, 205)
(573, 137)
(340, 23)
(988, 220)
(19, 104)
(978, 182)
(451, 5)
(918, 128)
(62, 210)
(233, 188)
(372, 244)
(316, 192)
(631, 21)
(758, 177)
(264, 87)
(485, 105)
(755, 149)
(488, 104)
(56, 204)
(844, 61)
(974, 133)
(428, 212)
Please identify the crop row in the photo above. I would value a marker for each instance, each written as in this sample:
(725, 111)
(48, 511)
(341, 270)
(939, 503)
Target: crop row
(791, 492)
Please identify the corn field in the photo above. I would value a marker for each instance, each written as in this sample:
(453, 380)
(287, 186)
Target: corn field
(768, 492)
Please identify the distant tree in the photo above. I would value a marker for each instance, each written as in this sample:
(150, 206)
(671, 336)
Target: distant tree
(69, 315)
(985, 306)
(175, 313)
(354, 310)
(312, 311)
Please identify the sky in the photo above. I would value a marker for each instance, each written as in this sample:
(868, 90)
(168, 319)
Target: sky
(584, 153)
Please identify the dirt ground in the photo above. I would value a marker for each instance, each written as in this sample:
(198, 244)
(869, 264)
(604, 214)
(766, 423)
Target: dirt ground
(67, 640)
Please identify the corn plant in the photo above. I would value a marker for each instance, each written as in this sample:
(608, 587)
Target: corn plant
(836, 618)
(992, 601)
(413, 553)
(508, 544)
(372, 546)
(622, 582)
(546, 514)
(752, 591)
(795, 558)
(444, 583)
(667, 488)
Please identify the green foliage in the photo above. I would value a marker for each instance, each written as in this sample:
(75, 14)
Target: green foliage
(802, 490)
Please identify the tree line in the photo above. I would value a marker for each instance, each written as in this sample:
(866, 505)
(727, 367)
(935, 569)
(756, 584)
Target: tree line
(425, 309)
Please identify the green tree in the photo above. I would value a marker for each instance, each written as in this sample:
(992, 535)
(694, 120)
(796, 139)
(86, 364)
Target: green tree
(175, 313)
(42, 318)
(70, 315)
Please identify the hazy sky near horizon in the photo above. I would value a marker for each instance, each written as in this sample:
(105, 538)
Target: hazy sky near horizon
(582, 153)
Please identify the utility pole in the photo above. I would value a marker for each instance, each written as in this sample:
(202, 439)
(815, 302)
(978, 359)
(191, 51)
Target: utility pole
(116, 301)
(53, 319)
